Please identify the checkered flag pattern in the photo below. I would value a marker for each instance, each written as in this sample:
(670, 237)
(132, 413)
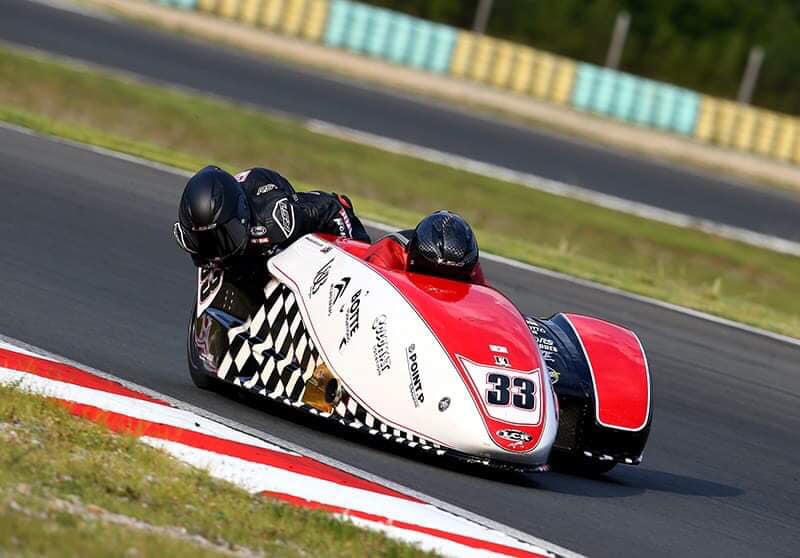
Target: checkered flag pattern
(272, 354)
(355, 415)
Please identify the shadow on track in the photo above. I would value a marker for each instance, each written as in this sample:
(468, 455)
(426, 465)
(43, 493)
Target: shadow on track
(629, 481)
(285, 412)
(623, 481)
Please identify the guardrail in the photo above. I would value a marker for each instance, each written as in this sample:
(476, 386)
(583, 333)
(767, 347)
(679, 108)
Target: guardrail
(420, 44)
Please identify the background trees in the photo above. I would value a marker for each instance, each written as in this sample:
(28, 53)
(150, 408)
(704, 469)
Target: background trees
(701, 44)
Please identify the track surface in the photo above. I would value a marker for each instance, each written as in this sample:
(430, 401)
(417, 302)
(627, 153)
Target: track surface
(88, 269)
(308, 94)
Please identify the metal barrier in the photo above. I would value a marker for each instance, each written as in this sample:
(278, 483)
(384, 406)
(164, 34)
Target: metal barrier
(420, 44)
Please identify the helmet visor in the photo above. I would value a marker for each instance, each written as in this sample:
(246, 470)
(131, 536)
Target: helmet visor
(216, 243)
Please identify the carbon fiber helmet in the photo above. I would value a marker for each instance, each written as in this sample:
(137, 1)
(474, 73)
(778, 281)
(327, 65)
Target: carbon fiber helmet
(443, 244)
(213, 216)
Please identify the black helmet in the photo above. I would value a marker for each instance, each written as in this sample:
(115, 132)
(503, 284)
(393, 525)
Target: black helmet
(443, 244)
(213, 216)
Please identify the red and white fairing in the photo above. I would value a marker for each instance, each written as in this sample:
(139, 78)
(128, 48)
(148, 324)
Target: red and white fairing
(620, 375)
(452, 362)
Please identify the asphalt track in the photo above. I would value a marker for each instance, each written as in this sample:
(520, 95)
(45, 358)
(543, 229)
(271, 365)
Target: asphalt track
(277, 86)
(88, 269)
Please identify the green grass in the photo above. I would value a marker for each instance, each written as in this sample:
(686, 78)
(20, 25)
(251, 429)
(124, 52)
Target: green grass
(237, 41)
(682, 266)
(70, 487)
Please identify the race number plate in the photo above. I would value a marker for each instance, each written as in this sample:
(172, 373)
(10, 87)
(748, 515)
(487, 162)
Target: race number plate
(508, 395)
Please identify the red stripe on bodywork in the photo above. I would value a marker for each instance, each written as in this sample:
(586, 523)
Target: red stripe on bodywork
(466, 319)
(453, 537)
(290, 462)
(68, 374)
(619, 372)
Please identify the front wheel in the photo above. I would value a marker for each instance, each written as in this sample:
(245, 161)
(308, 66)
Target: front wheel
(200, 377)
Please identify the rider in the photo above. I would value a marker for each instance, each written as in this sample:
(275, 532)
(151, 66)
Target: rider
(442, 244)
(237, 221)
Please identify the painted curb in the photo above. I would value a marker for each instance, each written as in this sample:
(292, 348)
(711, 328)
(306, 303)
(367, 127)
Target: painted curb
(260, 462)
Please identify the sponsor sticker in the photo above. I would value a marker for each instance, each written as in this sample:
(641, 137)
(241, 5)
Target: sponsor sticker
(351, 321)
(264, 188)
(321, 277)
(335, 293)
(283, 214)
(546, 345)
(258, 230)
(242, 176)
(502, 361)
(323, 247)
(444, 404)
(518, 437)
(547, 348)
(380, 350)
(343, 224)
(498, 349)
(415, 379)
(535, 328)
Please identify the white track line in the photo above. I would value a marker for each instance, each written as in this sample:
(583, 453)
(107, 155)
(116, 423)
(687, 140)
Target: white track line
(555, 187)
(492, 257)
(532, 181)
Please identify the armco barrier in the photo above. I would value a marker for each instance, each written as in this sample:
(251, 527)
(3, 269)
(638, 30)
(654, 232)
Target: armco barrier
(420, 44)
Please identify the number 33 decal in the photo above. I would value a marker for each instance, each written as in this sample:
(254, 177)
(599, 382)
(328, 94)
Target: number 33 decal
(521, 392)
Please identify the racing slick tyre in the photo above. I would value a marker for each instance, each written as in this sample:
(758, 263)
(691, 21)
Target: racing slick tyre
(200, 377)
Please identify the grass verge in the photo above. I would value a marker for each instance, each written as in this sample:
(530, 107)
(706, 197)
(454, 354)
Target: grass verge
(229, 33)
(682, 266)
(70, 487)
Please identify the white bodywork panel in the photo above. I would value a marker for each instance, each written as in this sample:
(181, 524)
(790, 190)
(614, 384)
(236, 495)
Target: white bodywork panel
(384, 353)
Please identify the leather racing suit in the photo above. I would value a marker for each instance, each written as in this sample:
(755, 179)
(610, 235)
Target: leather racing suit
(279, 215)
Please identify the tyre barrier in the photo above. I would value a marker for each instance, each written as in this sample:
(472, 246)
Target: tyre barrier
(420, 44)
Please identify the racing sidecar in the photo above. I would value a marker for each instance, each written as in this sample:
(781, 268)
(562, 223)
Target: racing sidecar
(445, 367)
